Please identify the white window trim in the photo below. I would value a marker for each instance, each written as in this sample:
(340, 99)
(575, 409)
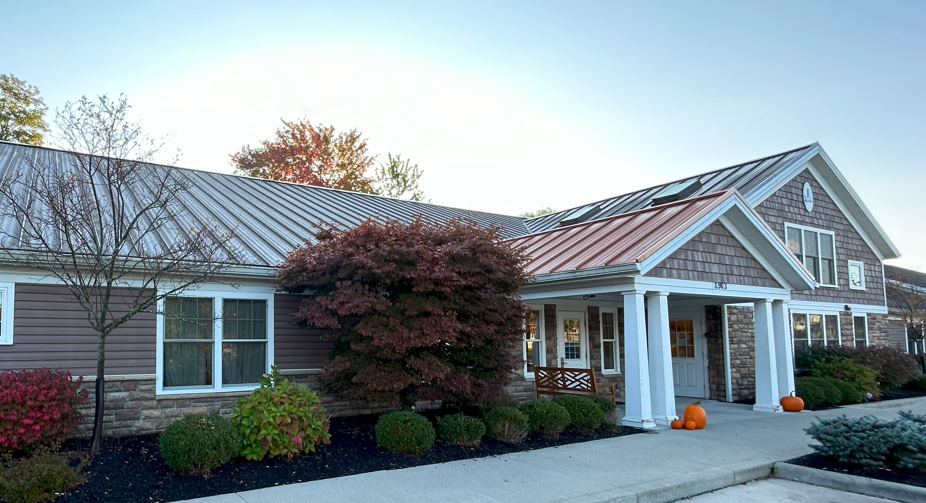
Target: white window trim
(860, 315)
(861, 266)
(824, 314)
(617, 340)
(8, 291)
(541, 335)
(819, 257)
(218, 296)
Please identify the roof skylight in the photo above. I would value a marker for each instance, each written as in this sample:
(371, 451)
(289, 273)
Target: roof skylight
(677, 191)
(580, 215)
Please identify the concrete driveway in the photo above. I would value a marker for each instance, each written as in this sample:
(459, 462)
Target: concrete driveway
(737, 446)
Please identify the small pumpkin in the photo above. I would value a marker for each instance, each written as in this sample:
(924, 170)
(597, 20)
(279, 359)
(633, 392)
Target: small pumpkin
(695, 412)
(792, 403)
(677, 424)
(690, 425)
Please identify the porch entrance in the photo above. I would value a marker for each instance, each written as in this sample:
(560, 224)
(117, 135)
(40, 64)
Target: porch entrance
(573, 340)
(686, 336)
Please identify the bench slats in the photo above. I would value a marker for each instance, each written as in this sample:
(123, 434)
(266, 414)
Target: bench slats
(561, 381)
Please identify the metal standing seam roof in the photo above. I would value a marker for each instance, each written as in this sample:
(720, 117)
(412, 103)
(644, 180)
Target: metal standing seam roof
(268, 218)
(743, 177)
(618, 240)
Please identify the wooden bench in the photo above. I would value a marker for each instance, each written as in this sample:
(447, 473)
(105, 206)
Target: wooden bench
(567, 381)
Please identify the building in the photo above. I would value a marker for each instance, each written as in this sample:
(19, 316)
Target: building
(700, 287)
(906, 302)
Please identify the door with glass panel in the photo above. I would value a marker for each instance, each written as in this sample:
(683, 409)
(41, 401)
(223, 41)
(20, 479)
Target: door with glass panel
(687, 343)
(573, 340)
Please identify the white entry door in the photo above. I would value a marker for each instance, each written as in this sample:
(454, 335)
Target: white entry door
(573, 340)
(687, 338)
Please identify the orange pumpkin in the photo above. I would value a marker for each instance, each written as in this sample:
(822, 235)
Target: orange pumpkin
(792, 403)
(695, 413)
(677, 424)
(690, 425)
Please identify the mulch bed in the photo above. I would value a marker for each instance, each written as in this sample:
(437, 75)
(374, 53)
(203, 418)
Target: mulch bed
(900, 393)
(820, 462)
(130, 469)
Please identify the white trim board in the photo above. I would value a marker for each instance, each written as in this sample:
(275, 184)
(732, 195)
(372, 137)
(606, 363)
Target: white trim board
(803, 305)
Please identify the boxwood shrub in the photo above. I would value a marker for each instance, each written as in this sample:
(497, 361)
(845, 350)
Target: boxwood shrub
(507, 424)
(405, 432)
(546, 417)
(40, 477)
(198, 443)
(459, 429)
(584, 413)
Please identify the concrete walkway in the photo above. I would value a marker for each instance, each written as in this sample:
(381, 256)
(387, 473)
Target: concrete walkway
(777, 491)
(738, 445)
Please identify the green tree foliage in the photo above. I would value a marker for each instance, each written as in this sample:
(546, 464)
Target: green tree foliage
(418, 311)
(22, 112)
(872, 442)
(398, 178)
(537, 213)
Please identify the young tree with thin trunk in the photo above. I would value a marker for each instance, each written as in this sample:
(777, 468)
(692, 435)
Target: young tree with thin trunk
(106, 224)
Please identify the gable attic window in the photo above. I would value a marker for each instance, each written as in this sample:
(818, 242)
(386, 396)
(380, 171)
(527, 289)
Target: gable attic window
(580, 215)
(816, 248)
(676, 191)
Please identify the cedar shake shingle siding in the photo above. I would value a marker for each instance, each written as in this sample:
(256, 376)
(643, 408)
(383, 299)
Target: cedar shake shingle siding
(787, 206)
(51, 330)
(714, 255)
(296, 348)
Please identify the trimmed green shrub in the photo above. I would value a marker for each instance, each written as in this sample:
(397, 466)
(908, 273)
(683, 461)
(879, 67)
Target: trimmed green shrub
(809, 389)
(850, 394)
(405, 432)
(846, 369)
(872, 442)
(918, 384)
(458, 429)
(199, 443)
(609, 420)
(507, 424)
(584, 413)
(893, 367)
(546, 417)
(38, 478)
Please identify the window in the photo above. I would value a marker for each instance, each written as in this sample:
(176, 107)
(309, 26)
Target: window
(210, 342)
(6, 312)
(816, 249)
(611, 327)
(815, 330)
(533, 341)
(860, 326)
(856, 275)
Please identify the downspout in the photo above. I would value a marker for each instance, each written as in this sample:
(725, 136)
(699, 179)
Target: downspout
(726, 355)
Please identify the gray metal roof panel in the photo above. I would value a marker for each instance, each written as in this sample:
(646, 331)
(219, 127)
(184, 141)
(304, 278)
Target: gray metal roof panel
(743, 177)
(268, 218)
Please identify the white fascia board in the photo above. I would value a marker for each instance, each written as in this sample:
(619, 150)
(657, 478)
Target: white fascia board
(573, 289)
(809, 305)
(770, 186)
(597, 272)
(769, 268)
(709, 289)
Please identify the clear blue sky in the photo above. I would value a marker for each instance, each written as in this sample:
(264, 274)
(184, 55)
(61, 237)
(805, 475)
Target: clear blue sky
(517, 106)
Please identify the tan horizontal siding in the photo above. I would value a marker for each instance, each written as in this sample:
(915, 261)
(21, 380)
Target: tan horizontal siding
(296, 347)
(51, 330)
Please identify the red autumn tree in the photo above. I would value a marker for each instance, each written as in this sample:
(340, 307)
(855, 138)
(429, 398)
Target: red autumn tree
(417, 311)
(310, 154)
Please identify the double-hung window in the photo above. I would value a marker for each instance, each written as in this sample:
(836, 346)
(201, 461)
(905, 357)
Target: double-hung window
(860, 327)
(815, 330)
(6, 312)
(816, 249)
(533, 341)
(214, 342)
(611, 328)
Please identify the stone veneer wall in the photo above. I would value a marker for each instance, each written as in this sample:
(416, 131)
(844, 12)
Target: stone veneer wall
(133, 408)
(741, 332)
(716, 378)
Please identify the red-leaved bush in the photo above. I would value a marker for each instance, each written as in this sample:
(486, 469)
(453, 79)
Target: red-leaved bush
(418, 311)
(38, 407)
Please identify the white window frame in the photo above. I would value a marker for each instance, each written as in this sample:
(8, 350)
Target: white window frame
(823, 314)
(854, 338)
(8, 291)
(861, 266)
(803, 229)
(217, 296)
(617, 340)
(541, 345)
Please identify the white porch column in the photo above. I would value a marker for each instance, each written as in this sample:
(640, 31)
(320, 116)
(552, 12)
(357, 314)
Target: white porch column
(637, 405)
(661, 383)
(784, 356)
(766, 367)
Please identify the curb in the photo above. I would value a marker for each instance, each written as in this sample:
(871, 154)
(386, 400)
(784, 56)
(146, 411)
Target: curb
(850, 483)
(889, 404)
